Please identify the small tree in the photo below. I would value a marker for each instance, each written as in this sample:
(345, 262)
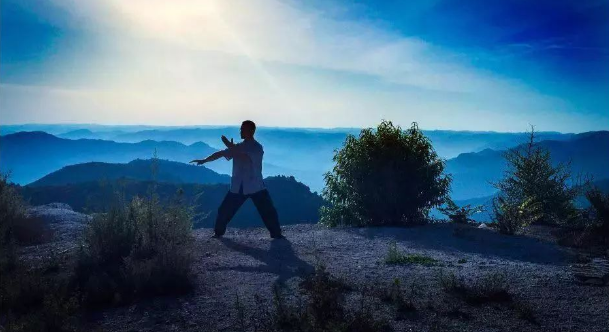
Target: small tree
(385, 176)
(533, 181)
(460, 215)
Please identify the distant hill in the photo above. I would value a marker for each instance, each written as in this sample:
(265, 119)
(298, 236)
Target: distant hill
(473, 173)
(32, 155)
(294, 201)
(304, 153)
(307, 153)
(166, 171)
(487, 202)
(448, 143)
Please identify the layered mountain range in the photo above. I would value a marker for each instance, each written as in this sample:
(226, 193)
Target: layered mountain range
(306, 154)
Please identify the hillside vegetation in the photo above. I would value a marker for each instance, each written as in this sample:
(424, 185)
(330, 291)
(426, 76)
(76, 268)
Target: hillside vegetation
(294, 201)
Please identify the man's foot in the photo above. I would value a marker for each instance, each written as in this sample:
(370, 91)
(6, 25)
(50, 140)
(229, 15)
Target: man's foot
(277, 237)
(216, 236)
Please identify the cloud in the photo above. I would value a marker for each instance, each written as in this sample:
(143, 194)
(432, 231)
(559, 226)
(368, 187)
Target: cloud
(217, 61)
(283, 32)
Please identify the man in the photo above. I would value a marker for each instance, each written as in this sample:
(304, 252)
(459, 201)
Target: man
(246, 181)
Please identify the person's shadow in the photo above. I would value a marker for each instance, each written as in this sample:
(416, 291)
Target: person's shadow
(280, 259)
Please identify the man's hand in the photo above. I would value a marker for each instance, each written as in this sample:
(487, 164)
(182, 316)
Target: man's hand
(198, 161)
(229, 144)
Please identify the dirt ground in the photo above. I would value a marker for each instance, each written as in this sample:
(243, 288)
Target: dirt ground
(242, 269)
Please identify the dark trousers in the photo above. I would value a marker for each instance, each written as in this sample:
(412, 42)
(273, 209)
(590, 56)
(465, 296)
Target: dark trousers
(262, 200)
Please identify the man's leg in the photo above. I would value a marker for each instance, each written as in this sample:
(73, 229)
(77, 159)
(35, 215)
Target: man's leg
(231, 203)
(264, 205)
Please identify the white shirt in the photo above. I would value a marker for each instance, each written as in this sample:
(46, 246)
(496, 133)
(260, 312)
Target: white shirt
(247, 166)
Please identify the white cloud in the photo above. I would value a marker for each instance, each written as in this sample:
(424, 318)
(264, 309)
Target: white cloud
(280, 31)
(218, 61)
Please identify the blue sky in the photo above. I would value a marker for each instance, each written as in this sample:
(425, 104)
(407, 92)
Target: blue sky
(473, 65)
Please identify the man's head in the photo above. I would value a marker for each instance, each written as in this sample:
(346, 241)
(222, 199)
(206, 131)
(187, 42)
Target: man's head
(248, 128)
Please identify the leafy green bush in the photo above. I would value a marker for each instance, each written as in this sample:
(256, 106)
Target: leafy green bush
(532, 181)
(511, 215)
(136, 250)
(460, 215)
(385, 176)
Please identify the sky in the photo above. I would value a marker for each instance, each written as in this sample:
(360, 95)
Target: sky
(446, 64)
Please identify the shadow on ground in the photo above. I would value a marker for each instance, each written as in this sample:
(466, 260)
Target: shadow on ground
(279, 259)
(459, 238)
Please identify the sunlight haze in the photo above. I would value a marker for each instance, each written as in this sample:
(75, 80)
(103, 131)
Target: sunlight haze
(304, 64)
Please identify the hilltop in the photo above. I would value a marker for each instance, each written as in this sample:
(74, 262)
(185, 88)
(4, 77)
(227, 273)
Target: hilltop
(294, 201)
(139, 169)
(235, 278)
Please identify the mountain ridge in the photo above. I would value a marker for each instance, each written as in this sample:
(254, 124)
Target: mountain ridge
(138, 169)
(474, 172)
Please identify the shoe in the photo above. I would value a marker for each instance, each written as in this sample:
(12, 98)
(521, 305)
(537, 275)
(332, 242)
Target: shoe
(277, 237)
(216, 236)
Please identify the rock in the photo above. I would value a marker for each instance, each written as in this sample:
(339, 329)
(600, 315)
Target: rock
(63, 206)
(66, 223)
(58, 212)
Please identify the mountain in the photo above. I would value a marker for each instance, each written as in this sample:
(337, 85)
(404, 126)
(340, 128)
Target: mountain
(487, 202)
(473, 173)
(307, 153)
(301, 152)
(165, 171)
(294, 201)
(450, 143)
(30, 155)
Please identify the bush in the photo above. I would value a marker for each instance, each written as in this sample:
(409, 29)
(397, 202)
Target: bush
(325, 309)
(136, 250)
(395, 295)
(599, 203)
(489, 288)
(385, 176)
(460, 215)
(12, 209)
(531, 181)
(512, 215)
(16, 228)
(31, 299)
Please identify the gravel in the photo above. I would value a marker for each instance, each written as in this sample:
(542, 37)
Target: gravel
(245, 265)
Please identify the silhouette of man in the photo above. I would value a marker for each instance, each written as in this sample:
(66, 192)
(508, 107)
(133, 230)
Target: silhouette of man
(246, 181)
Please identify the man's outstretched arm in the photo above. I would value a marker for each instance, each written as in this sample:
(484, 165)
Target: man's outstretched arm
(214, 156)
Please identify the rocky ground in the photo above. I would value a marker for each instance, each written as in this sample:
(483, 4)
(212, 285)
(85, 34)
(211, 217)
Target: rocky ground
(236, 275)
